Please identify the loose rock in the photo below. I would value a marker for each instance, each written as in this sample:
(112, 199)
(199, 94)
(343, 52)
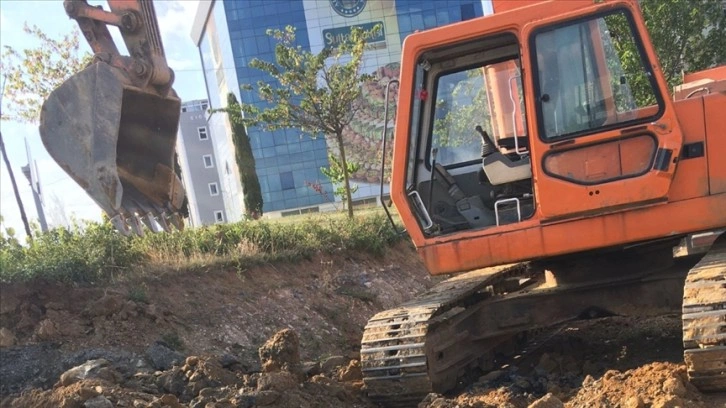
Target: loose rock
(281, 353)
(7, 337)
(548, 401)
(162, 357)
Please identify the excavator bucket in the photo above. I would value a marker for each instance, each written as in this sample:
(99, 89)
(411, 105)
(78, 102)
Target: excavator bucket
(117, 142)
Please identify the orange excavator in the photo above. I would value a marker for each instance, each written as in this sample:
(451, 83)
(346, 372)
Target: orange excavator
(112, 127)
(540, 156)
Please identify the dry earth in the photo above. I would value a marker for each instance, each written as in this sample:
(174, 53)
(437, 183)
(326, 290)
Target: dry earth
(287, 335)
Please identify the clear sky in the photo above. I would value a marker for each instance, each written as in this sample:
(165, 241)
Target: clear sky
(63, 198)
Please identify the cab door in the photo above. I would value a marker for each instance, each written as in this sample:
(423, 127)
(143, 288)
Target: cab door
(607, 137)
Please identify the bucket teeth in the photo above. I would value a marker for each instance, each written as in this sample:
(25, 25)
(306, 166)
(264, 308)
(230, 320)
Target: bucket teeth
(177, 221)
(162, 221)
(136, 224)
(119, 223)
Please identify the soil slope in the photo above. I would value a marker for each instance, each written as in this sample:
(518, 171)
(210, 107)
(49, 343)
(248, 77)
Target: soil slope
(287, 335)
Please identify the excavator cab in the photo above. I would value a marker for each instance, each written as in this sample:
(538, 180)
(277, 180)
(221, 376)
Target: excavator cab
(112, 127)
(518, 126)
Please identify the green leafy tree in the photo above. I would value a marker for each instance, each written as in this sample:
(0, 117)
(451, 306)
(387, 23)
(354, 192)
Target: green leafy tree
(317, 93)
(337, 176)
(688, 35)
(32, 73)
(245, 159)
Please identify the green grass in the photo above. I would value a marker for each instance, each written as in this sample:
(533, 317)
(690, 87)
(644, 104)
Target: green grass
(95, 253)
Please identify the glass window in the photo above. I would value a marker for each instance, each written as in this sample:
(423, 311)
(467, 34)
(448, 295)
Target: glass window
(207, 158)
(218, 216)
(467, 12)
(592, 74)
(213, 189)
(287, 182)
(202, 132)
(461, 106)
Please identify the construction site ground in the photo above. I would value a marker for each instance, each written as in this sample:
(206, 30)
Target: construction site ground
(287, 335)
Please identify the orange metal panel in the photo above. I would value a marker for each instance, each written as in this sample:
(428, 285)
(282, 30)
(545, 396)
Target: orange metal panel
(715, 106)
(500, 6)
(602, 231)
(717, 73)
(635, 154)
(691, 177)
(605, 161)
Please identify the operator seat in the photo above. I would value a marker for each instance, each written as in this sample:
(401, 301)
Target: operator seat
(498, 167)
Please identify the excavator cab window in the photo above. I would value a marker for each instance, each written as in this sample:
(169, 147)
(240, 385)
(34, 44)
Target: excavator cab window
(472, 169)
(591, 75)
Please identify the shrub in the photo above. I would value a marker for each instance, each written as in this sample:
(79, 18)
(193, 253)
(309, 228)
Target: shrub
(94, 252)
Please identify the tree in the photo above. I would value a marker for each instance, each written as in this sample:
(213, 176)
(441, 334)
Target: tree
(33, 73)
(245, 160)
(688, 35)
(336, 175)
(30, 75)
(316, 93)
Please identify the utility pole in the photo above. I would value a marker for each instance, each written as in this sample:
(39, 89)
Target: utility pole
(15, 188)
(12, 176)
(33, 176)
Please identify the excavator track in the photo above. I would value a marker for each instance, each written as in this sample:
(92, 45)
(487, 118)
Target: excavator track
(704, 320)
(403, 358)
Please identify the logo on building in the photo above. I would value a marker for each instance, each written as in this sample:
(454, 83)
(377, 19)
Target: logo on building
(334, 37)
(348, 8)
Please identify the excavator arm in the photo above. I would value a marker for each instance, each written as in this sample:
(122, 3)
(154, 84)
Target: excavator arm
(112, 127)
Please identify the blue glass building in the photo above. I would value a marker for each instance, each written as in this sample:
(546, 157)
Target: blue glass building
(230, 34)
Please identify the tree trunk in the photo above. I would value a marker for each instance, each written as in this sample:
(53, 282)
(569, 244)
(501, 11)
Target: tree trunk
(15, 188)
(346, 176)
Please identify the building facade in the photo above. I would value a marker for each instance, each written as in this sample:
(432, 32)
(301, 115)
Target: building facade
(200, 172)
(231, 33)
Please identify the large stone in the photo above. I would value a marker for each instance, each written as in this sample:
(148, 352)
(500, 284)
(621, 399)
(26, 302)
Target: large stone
(170, 401)
(7, 337)
(281, 353)
(98, 402)
(491, 376)
(311, 368)
(107, 305)
(162, 357)
(93, 369)
(548, 401)
(172, 381)
(674, 386)
(257, 398)
(47, 330)
(279, 381)
(352, 372)
(332, 362)
(634, 402)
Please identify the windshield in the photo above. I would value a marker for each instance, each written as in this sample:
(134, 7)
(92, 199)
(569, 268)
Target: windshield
(591, 74)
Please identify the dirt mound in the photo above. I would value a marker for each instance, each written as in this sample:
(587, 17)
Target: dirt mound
(656, 385)
(205, 382)
(162, 319)
(604, 363)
